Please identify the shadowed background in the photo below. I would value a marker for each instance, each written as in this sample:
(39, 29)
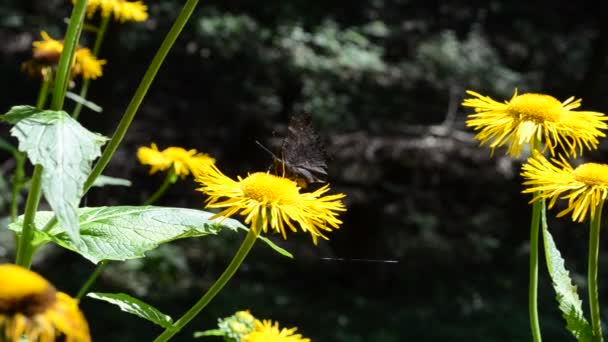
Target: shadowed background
(383, 81)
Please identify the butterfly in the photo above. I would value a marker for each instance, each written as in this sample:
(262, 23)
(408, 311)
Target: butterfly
(301, 158)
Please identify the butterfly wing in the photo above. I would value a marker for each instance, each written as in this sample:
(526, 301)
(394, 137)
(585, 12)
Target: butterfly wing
(302, 154)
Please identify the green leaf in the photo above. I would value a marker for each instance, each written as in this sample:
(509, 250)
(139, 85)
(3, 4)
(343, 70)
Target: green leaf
(567, 295)
(214, 332)
(135, 307)
(126, 232)
(79, 99)
(276, 248)
(106, 180)
(65, 150)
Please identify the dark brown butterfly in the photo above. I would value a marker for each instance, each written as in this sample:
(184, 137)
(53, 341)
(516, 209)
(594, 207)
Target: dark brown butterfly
(301, 158)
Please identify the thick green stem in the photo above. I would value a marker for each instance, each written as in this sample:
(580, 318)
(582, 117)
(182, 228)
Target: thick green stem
(533, 286)
(24, 255)
(215, 288)
(103, 27)
(91, 280)
(72, 36)
(25, 250)
(141, 91)
(170, 179)
(594, 248)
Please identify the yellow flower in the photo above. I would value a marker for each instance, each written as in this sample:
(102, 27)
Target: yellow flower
(46, 53)
(534, 119)
(31, 307)
(87, 65)
(183, 162)
(585, 186)
(272, 202)
(123, 10)
(266, 331)
(47, 50)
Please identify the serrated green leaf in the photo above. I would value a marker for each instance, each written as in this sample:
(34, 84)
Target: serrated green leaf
(566, 293)
(127, 232)
(65, 150)
(135, 307)
(106, 180)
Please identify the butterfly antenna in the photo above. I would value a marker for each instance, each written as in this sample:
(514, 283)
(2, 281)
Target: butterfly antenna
(266, 149)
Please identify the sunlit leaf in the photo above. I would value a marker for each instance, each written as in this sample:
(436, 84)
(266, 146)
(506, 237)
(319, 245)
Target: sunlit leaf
(135, 307)
(65, 150)
(566, 293)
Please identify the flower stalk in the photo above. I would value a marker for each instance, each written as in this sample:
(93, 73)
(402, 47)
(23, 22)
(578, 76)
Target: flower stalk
(103, 27)
(533, 285)
(219, 284)
(25, 250)
(594, 246)
(169, 179)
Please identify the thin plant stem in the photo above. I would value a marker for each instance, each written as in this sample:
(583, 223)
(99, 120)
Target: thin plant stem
(141, 91)
(170, 179)
(533, 286)
(103, 27)
(92, 279)
(215, 288)
(25, 250)
(594, 247)
(138, 97)
(18, 177)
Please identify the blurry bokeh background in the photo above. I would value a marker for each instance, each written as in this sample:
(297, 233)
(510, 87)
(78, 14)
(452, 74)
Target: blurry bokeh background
(383, 81)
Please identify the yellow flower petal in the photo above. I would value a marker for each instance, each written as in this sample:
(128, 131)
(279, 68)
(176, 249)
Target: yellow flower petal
(272, 202)
(534, 119)
(585, 186)
(266, 331)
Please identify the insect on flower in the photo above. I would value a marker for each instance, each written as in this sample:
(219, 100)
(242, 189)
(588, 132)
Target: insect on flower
(301, 158)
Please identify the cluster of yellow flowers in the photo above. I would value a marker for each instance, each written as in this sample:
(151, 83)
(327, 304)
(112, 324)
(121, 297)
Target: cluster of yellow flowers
(545, 124)
(46, 53)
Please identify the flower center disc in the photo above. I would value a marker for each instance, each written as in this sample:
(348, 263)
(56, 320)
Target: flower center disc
(536, 107)
(262, 187)
(24, 291)
(592, 174)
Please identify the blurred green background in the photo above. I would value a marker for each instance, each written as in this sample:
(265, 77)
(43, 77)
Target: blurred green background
(383, 81)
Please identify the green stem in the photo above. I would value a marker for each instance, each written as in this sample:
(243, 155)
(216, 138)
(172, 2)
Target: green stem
(215, 288)
(141, 91)
(27, 231)
(72, 36)
(170, 179)
(25, 250)
(18, 177)
(96, 47)
(533, 286)
(91, 280)
(594, 247)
